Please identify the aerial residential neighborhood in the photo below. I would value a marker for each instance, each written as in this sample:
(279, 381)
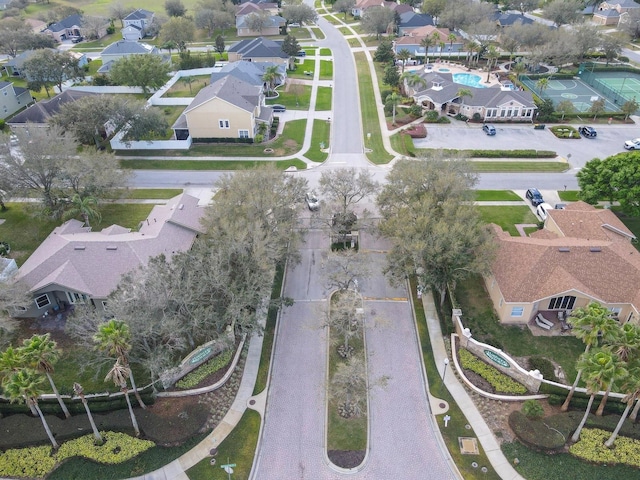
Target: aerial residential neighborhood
(364, 239)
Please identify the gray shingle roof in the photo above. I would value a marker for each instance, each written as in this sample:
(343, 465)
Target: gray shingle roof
(258, 48)
(70, 21)
(139, 14)
(40, 112)
(413, 19)
(123, 47)
(230, 89)
(250, 72)
(73, 258)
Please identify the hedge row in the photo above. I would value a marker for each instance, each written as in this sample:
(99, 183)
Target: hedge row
(503, 153)
(203, 371)
(497, 379)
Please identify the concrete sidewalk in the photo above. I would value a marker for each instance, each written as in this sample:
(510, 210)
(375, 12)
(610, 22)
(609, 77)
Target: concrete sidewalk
(489, 443)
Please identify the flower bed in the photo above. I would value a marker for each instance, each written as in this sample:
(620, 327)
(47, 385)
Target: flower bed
(498, 380)
(203, 371)
(592, 449)
(565, 132)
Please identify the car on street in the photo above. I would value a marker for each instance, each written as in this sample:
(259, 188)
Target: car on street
(542, 211)
(312, 201)
(301, 53)
(534, 196)
(279, 108)
(632, 144)
(489, 129)
(588, 132)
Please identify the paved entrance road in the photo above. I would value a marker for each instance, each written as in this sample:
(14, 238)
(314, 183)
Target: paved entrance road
(402, 442)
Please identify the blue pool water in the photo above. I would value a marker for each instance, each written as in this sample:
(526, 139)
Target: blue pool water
(444, 70)
(468, 79)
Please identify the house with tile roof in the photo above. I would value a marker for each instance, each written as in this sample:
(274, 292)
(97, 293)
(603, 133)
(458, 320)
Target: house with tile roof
(258, 50)
(13, 98)
(228, 108)
(582, 254)
(492, 104)
(39, 113)
(135, 24)
(123, 48)
(75, 265)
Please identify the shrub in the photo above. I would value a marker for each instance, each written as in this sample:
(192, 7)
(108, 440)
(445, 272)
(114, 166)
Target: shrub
(565, 131)
(477, 117)
(415, 110)
(532, 409)
(498, 380)
(591, 448)
(385, 93)
(5, 249)
(443, 119)
(535, 433)
(544, 366)
(504, 153)
(431, 116)
(206, 369)
(259, 138)
(417, 131)
(623, 59)
(461, 117)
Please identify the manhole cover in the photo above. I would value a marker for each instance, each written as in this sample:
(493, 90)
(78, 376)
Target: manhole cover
(442, 405)
(252, 402)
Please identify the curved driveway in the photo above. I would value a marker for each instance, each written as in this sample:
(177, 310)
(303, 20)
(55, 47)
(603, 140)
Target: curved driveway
(402, 441)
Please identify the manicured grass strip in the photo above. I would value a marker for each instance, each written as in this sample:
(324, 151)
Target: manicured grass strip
(307, 65)
(325, 52)
(369, 113)
(496, 196)
(239, 448)
(332, 20)
(534, 465)
(456, 426)
(319, 33)
(324, 98)
(321, 133)
(479, 153)
(298, 97)
(519, 166)
(403, 144)
(288, 143)
(207, 164)
(148, 193)
(326, 70)
(507, 217)
(569, 195)
(268, 334)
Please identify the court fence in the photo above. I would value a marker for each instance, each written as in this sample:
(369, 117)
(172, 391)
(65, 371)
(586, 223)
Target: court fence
(588, 74)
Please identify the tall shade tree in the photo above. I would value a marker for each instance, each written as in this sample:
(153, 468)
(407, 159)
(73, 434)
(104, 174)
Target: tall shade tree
(300, 14)
(562, 12)
(175, 8)
(377, 20)
(145, 71)
(41, 354)
(601, 367)
(436, 232)
(24, 386)
(114, 338)
(47, 68)
(85, 207)
(118, 375)
(343, 6)
(615, 373)
(344, 319)
(565, 107)
(616, 179)
(590, 324)
(79, 391)
(349, 386)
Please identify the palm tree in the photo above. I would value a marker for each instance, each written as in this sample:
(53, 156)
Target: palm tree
(616, 371)
(12, 361)
(441, 45)
(187, 81)
(590, 324)
(394, 99)
(492, 55)
(403, 55)
(542, 85)
(452, 38)
(114, 338)
(118, 375)
(632, 389)
(426, 42)
(84, 207)
(600, 366)
(627, 342)
(79, 391)
(412, 79)
(271, 76)
(24, 386)
(518, 68)
(462, 93)
(471, 47)
(41, 354)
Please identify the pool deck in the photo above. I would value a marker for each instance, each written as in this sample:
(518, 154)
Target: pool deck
(453, 68)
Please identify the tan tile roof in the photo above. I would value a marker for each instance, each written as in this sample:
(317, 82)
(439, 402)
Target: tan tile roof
(594, 260)
(74, 258)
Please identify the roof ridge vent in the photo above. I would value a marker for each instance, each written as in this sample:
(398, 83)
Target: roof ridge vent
(595, 249)
(112, 247)
(79, 247)
(564, 249)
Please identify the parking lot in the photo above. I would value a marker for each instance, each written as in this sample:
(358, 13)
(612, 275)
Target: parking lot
(610, 140)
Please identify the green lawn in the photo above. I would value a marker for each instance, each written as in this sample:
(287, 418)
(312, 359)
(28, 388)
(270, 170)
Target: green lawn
(94, 65)
(148, 193)
(333, 20)
(507, 217)
(326, 70)
(297, 97)
(324, 98)
(207, 164)
(25, 232)
(307, 65)
(325, 52)
(369, 112)
(568, 195)
(182, 88)
(321, 133)
(496, 196)
(170, 114)
(319, 33)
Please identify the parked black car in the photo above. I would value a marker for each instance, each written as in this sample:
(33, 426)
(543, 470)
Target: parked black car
(534, 196)
(588, 132)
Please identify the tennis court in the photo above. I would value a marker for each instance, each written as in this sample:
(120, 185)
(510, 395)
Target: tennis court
(619, 87)
(575, 90)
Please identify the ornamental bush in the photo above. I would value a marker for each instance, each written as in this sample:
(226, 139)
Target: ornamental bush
(591, 448)
(532, 409)
(206, 369)
(498, 380)
(536, 433)
(544, 366)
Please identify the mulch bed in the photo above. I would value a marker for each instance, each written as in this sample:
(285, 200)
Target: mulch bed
(346, 458)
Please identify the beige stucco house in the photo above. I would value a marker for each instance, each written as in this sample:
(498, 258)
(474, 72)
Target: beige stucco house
(582, 254)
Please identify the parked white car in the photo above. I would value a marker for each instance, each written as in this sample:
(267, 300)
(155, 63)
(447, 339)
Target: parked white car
(542, 210)
(632, 144)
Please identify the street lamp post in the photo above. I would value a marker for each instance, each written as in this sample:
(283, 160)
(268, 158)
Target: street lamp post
(444, 373)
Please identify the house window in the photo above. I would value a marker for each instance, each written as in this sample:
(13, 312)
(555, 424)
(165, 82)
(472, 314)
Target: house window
(564, 303)
(517, 311)
(501, 301)
(104, 304)
(5, 93)
(243, 133)
(223, 123)
(74, 297)
(43, 301)
(615, 311)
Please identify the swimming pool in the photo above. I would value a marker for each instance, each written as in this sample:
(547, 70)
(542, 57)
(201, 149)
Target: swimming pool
(468, 79)
(444, 70)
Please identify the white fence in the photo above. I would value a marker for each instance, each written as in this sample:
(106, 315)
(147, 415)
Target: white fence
(118, 144)
(156, 98)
